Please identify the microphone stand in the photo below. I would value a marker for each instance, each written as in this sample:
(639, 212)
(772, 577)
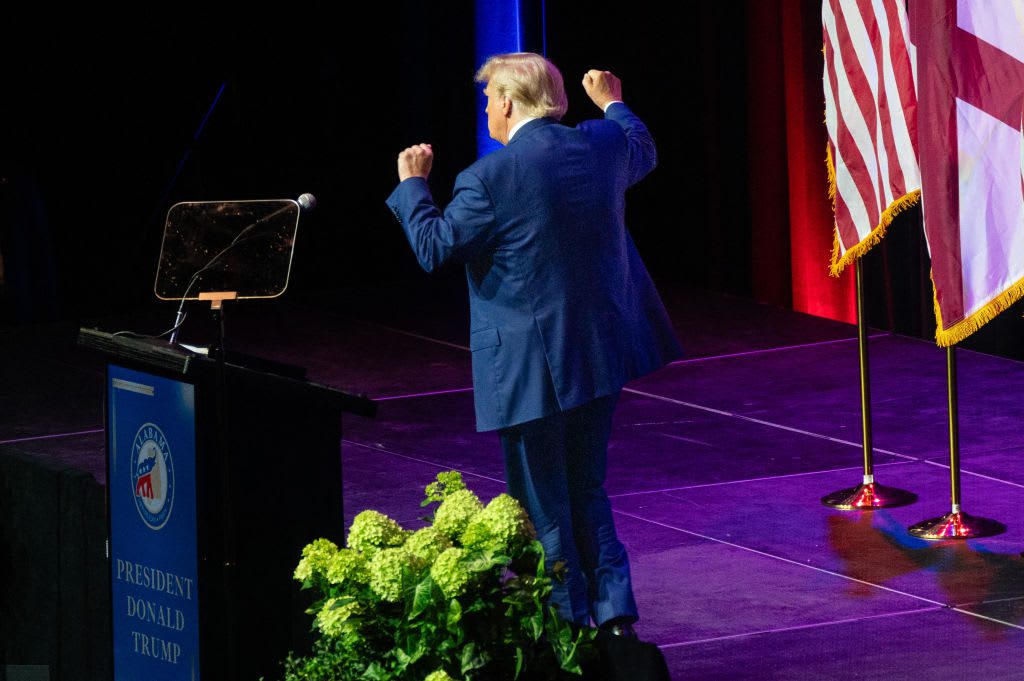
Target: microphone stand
(229, 588)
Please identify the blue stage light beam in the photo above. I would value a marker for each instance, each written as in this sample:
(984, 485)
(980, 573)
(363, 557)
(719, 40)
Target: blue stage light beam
(505, 26)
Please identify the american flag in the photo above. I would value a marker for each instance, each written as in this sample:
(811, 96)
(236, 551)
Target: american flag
(871, 116)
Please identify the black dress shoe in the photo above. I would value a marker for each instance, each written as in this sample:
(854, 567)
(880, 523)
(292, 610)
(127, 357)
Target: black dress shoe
(619, 627)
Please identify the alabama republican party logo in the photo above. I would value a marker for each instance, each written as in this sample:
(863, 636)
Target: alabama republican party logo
(152, 476)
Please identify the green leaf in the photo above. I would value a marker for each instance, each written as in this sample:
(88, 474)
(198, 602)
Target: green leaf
(418, 652)
(342, 601)
(454, 615)
(471, 659)
(374, 672)
(519, 662)
(517, 598)
(565, 636)
(570, 660)
(466, 661)
(539, 548)
(423, 597)
(478, 605)
(536, 622)
(481, 561)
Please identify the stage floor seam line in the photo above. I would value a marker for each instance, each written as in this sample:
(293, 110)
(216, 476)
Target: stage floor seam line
(429, 393)
(884, 334)
(769, 424)
(712, 410)
(936, 604)
(418, 460)
(990, 602)
(979, 353)
(693, 405)
(33, 438)
(765, 554)
(800, 627)
(780, 348)
(767, 477)
(988, 618)
(978, 475)
(750, 419)
(412, 334)
(630, 494)
(672, 489)
(782, 559)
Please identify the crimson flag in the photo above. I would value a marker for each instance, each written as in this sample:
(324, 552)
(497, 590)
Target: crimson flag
(970, 65)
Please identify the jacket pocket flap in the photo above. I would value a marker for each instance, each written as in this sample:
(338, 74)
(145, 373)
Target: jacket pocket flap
(484, 338)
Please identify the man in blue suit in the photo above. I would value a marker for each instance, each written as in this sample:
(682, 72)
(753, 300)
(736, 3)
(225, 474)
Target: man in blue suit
(562, 310)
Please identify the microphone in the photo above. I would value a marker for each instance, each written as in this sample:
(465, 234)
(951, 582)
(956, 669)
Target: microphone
(307, 202)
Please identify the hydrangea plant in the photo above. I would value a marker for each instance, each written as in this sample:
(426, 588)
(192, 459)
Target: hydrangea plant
(455, 512)
(461, 599)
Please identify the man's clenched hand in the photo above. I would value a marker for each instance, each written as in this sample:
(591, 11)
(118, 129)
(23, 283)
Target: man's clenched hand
(602, 87)
(415, 162)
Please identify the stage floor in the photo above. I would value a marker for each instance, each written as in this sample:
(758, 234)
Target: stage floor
(716, 470)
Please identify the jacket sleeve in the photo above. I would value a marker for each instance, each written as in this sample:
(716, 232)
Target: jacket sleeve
(460, 233)
(643, 156)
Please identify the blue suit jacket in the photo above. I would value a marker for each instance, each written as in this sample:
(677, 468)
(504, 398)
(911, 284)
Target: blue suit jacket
(562, 309)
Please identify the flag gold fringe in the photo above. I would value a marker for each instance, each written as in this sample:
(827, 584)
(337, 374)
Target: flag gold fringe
(871, 240)
(965, 327)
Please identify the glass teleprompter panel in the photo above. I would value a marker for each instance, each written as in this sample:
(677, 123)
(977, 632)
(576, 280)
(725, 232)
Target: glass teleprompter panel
(240, 246)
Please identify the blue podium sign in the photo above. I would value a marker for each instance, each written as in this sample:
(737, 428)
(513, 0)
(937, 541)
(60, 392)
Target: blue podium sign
(151, 446)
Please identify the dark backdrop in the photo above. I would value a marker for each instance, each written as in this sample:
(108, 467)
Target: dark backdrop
(97, 118)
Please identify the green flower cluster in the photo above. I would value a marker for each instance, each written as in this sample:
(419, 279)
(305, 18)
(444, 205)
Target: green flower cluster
(372, 530)
(426, 544)
(501, 527)
(348, 565)
(387, 573)
(396, 604)
(446, 483)
(316, 557)
(449, 572)
(455, 512)
(333, 617)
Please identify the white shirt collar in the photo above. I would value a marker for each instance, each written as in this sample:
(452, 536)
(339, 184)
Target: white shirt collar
(515, 128)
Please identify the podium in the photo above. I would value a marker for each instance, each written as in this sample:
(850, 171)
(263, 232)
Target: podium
(217, 475)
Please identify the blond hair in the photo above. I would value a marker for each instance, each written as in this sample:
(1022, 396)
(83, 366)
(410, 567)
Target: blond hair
(532, 82)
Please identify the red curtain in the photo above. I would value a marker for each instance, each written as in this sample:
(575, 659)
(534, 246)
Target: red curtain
(791, 209)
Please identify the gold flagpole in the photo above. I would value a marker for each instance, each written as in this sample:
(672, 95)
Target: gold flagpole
(956, 524)
(869, 494)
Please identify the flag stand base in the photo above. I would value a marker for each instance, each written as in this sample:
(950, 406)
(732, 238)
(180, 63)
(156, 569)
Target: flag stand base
(868, 496)
(956, 525)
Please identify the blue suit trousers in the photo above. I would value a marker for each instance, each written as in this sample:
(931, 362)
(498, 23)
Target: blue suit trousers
(555, 466)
